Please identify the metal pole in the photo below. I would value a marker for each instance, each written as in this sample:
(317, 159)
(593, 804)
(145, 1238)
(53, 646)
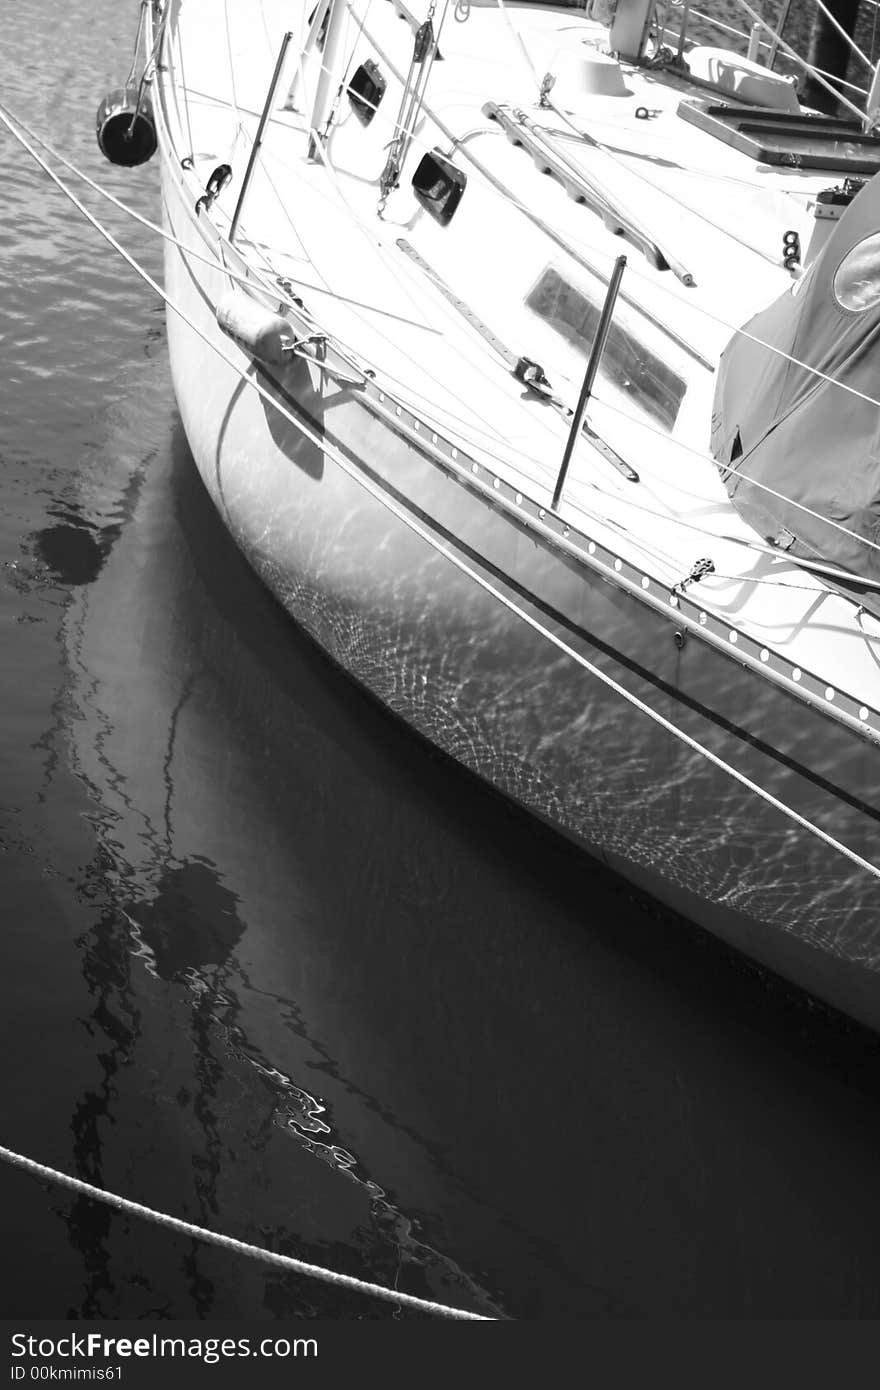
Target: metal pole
(780, 25)
(685, 16)
(590, 376)
(318, 18)
(872, 105)
(267, 109)
(330, 74)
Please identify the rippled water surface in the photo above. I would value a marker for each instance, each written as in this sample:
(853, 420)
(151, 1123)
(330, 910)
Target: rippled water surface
(273, 967)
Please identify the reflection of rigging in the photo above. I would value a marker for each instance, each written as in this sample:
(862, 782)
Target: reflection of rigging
(107, 974)
(168, 934)
(181, 921)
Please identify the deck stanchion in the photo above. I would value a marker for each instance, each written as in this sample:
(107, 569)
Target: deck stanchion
(319, 14)
(682, 33)
(590, 375)
(258, 140)
(781, 22)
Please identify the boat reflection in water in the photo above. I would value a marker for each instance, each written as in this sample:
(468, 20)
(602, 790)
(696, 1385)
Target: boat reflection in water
(348, 1004)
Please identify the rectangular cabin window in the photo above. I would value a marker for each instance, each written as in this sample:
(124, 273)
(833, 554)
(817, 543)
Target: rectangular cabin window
(627, 363)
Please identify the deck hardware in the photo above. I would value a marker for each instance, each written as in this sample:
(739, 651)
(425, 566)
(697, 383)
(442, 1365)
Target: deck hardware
(647, 113)
(531, 374)
(791, 250)
(366, 90)
(583, 187)
(680, 637)
(438, 186)
(214, 187)
(548, 82)
(187, 162)
(590, 375)
(286, 287)
(424, 52)
(258, 138)
(699, 571)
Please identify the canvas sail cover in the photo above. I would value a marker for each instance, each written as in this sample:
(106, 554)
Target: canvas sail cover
(803, 435)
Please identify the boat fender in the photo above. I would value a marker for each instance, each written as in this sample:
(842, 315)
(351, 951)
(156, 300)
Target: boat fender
(125, 126)
(262, 334)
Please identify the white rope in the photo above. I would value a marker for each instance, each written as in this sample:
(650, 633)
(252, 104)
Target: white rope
(832, 76)
(471, 435)
(424, 533)
(276, 290)
(493, 185)
(137, 42)
(730, 468)
(718, 24)
(238, 1247)
(808, 67)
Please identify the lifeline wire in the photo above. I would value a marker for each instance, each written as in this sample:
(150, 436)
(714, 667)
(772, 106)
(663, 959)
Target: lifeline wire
(238, 1247)
(493, 185)
(442, 548)
(350, 355)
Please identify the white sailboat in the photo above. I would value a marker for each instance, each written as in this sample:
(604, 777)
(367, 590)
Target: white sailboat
(602, 527)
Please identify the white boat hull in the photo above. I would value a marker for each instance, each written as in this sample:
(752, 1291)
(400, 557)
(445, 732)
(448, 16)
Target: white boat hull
(480, 632)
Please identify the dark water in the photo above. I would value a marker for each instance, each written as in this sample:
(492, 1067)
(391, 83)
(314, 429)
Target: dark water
(273, 967)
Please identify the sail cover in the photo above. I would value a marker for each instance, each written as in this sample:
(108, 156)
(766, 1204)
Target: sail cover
(812, 440)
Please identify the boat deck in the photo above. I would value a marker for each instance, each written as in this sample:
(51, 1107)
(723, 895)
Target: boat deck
(447, 354)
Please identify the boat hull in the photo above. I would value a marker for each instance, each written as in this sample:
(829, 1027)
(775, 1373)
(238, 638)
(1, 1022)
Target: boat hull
(491, 639)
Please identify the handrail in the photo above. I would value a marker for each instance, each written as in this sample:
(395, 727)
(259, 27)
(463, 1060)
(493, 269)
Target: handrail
(576, 182)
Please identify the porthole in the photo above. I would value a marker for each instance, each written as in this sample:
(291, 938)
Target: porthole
(857, 278)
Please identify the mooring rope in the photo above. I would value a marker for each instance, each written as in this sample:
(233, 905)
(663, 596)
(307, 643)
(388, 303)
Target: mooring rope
(425, 534)
(239, 1247)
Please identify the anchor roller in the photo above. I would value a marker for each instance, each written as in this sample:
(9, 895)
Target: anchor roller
(125, 126)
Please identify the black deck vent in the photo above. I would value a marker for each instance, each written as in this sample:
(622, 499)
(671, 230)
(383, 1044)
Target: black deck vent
(365, 91)
(438, 186)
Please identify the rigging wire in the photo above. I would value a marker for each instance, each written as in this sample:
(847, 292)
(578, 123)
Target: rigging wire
(823, 8)
(679, 444)
(802, 62)
(627, 415)
(725, 468)
(490, 182)
(425, 533)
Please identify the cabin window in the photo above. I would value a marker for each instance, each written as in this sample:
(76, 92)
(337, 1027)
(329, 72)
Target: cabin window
(626, 362)
(857, 278)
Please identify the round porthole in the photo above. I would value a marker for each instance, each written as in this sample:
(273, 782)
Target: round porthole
(857, 278)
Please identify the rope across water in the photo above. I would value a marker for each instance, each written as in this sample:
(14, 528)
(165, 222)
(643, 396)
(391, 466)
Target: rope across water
(237, 1247)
